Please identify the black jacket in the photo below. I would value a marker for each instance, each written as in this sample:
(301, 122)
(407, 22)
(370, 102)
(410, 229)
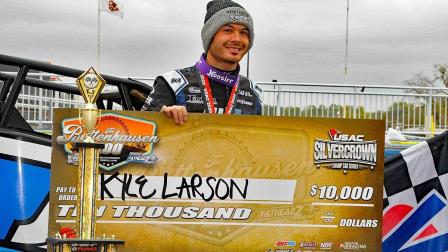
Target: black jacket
(183, 87)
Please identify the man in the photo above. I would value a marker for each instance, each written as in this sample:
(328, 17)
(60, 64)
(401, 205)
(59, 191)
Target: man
(213, 84)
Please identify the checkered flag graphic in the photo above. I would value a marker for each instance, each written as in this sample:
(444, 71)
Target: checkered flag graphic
(416, 171)
(415, 215)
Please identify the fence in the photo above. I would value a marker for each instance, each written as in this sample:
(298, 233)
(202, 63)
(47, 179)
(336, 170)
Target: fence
(415, 110)
(37, 108)
(36, 104)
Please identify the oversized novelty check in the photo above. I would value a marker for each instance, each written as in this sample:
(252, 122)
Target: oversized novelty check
(226, 183)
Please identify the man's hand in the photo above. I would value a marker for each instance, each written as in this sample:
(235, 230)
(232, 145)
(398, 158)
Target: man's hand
(178, 113)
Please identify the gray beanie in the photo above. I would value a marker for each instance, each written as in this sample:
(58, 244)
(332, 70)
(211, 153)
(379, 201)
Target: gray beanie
(222, 12)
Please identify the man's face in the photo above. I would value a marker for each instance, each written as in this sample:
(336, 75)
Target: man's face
(230, 43)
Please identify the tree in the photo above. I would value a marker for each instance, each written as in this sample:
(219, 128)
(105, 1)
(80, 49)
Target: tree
(441, 73)
(420, 80)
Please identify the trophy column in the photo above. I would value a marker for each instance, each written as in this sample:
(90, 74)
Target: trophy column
(87, 188)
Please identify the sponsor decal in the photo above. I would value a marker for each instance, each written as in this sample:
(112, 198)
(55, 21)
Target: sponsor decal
(353, 245)
(244, 93)
(194, 90)
(244, 102)
(238, 16)
(301, 212)
(284, 250)
(326, 245)
(126, 139)
(308, 245)
(346, 152)
(176, 80)
(85, 247)
(365, 223)
(138, 157)
(328, 216)
(286, 243)
(194, 99)
(215, 75)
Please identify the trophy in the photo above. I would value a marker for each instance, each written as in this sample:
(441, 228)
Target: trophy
(90, 84)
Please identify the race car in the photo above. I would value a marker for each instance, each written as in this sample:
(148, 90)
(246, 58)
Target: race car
(25, 152)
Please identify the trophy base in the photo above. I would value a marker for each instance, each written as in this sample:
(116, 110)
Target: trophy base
(69, 245)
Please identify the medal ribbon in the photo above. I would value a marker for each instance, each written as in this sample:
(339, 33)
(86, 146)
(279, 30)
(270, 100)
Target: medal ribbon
(206, 71)
(209, 97)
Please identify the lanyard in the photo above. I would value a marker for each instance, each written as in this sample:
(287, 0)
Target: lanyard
(232, 80)
(209, 97)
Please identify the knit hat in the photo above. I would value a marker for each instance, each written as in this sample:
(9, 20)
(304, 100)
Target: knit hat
(222, 12)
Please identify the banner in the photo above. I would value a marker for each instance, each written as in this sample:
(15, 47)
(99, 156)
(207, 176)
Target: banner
(227, 183)
(415, 203)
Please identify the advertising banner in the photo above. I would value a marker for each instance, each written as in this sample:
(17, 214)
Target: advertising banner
(225, 183)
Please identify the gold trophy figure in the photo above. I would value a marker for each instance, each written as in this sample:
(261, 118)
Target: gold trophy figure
(90, 84)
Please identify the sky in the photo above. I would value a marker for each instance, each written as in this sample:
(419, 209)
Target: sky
(295, 40)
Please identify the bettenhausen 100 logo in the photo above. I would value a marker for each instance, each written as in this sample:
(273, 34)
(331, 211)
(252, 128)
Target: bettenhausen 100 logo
(127, 140)
(346, 152)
